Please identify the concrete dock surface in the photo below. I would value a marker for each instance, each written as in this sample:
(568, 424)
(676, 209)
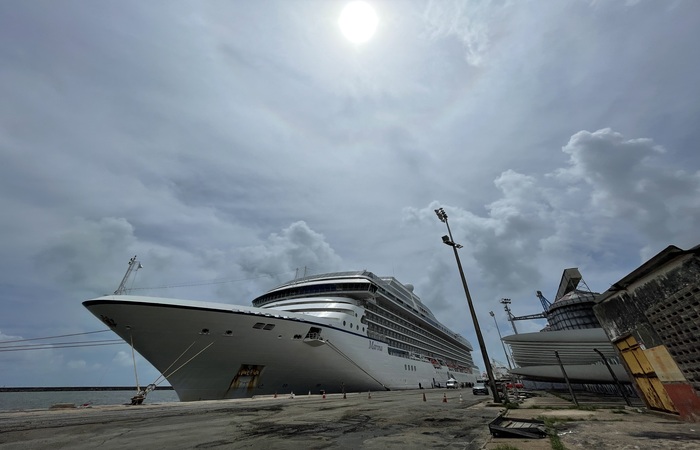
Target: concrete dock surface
(377, 420)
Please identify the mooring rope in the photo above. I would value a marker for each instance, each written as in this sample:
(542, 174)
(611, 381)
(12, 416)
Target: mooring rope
(53, 337)
(158, 380)
(183, 364)
(354, 363)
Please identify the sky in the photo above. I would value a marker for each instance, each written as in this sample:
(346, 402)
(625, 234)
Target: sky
(234, 145)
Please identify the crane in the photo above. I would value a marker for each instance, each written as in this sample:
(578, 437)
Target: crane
(511, 318)
(545, 303)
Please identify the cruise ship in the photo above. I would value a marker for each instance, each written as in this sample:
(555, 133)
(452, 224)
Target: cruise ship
(335, 332)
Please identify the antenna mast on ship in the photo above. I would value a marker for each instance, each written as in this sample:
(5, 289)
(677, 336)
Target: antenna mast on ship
(134, 266)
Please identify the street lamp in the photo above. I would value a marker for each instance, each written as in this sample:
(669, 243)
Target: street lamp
(501, 338)
(447, 240)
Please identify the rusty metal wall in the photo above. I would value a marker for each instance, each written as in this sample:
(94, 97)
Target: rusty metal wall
(648, 383)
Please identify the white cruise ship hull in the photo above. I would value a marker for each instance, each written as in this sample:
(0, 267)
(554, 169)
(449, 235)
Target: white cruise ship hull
(534, 354)
(212, 351)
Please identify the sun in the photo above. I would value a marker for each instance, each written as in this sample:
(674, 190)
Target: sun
(358, 22)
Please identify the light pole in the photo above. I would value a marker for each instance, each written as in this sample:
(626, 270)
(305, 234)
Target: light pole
(506, 302)
(501, 338)
(447, 240)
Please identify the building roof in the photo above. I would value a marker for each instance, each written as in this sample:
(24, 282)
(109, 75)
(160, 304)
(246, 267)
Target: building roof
(660, 259)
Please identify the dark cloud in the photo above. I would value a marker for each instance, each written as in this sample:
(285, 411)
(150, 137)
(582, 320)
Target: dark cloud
(232, 145)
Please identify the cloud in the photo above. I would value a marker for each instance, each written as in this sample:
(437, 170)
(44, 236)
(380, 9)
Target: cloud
(628, 180)
(295, 250)
(77, 364)
(468, 22)
(614, 197)
(5, 337)
(71, 257)
(123, 359)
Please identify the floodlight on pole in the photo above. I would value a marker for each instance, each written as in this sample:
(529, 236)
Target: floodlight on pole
(506, 302)
(447, 240)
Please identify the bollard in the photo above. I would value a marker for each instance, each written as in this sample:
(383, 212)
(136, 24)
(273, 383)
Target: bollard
(369, 395)
(292, 395)
(444, 398)
(460, 398)
(275, 394)
(423, 396)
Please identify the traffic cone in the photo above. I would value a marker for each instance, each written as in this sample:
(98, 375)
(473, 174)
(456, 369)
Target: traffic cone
(460, 398)
(423, 396)
(309, 392)
(444, 398)
(324, 395)
(292, 395)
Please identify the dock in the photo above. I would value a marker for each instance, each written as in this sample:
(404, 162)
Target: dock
(427, 418)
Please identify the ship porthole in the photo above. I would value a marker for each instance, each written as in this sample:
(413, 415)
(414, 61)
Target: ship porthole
(279, 336)
(343, 323)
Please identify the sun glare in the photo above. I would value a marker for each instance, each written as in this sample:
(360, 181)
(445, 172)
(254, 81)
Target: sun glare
(358, 22)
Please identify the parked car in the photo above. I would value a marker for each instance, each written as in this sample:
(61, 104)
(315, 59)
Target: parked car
(452, 384)
(480, 389)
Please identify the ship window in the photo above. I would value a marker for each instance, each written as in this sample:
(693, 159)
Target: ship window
(229, 332)
(259, 325)
(343, 323)
(205, 330)
(269, 326)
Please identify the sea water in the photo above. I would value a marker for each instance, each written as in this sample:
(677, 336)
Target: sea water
(16, 401)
